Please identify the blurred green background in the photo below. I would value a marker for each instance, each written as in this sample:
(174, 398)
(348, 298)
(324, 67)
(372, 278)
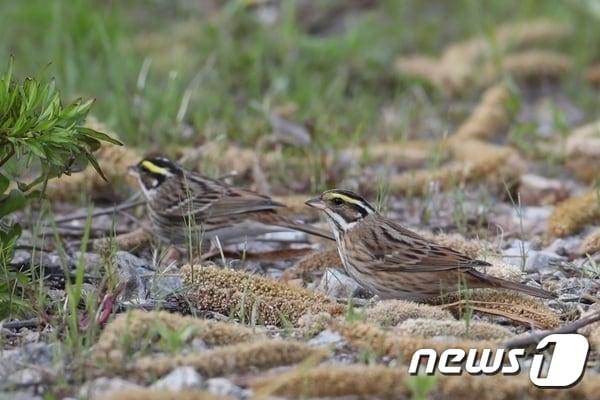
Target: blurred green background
(182, 71)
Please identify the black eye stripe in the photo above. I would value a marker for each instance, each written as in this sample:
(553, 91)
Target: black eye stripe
(363, 212)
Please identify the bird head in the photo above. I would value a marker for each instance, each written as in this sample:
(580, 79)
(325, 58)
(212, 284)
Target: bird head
(152, 172)
(343, 208)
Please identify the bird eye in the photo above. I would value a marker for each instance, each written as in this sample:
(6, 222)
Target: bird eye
(337, 201)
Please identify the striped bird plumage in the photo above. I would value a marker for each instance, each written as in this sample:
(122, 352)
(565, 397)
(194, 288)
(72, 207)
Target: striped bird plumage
(394, 262)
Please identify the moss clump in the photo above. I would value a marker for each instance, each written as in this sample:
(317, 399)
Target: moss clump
(376, 381)
(250, 296)
(593, 74)
(367, 337)
(489, 117)
(336, 381)
(407, 154)
(393, 312)
(474, 62)
(226, 360)
(583, 151)
(573, 214)
(473, 161)
(160, 394)
(122, 336)
(592, 331)
(533, 64)
(478, 330)
(591, 243)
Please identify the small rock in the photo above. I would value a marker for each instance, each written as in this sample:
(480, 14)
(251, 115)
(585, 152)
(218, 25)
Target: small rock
(51, 262)
(224, 387)
(336, 284)
(517, 251)
(25, 377)
(327, 338)
(165, 284)
(38, 354)
(179, 379)
(198, 345)
(132, 270)
(536, 190)
(20, 395)
(542, 261)
(99, 388)
(565, 246)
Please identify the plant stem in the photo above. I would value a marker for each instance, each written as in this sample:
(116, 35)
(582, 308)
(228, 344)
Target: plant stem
(11, 153)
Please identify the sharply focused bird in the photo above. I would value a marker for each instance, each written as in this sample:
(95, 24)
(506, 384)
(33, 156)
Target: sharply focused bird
(396, 263)
(183, 205)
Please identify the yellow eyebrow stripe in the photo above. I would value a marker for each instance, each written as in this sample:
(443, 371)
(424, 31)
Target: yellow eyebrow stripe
(153, 168)
(341, 196)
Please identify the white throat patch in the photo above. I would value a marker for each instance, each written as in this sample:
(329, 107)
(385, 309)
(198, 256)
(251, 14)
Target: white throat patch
(338, 222)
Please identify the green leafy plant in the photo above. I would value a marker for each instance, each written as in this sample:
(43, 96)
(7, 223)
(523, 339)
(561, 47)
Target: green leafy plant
(40, 139)
(421, 386)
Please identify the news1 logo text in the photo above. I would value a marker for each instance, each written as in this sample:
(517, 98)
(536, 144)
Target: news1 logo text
(563, 368)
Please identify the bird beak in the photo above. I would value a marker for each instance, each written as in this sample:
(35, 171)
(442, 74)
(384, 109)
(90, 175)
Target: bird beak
(315, 202)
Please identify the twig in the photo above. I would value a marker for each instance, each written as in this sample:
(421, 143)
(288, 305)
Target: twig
(104, 211)
(533, 338)
(33, 247)
(16, 325)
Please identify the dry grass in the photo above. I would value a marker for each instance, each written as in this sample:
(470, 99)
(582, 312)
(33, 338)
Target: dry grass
(313, 264)
(573, 214)
(127, 241)
(518, 307)
(252, 297)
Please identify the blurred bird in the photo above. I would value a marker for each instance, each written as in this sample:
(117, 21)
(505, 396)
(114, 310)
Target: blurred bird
(183, 205)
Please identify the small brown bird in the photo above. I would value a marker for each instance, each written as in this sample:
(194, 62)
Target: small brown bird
(394, 262)
(184, 206)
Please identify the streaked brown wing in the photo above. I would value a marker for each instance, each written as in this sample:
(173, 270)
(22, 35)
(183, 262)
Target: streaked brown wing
(201, 198)
(240, 201)
(402, 250)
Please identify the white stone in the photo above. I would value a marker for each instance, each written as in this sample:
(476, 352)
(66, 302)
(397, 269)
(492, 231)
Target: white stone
(179, 379)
